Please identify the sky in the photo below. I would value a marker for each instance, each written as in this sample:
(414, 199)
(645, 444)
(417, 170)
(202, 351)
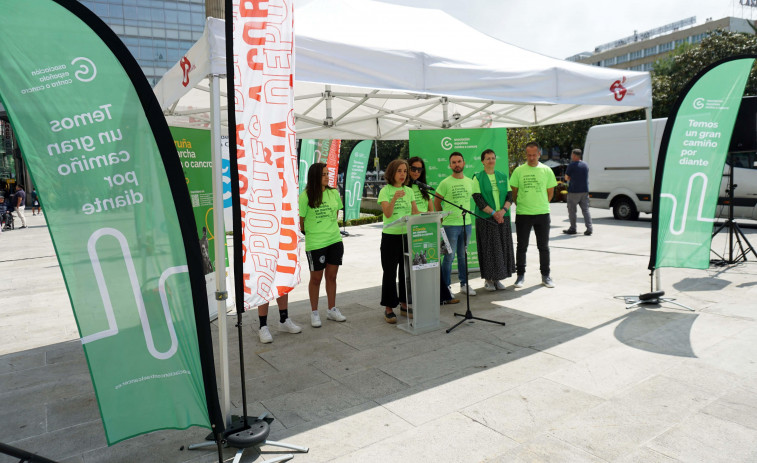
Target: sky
(562, 28)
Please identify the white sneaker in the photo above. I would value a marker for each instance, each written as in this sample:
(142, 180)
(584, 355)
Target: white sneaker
(498, 285)
(315, 319)
(489, 286)
(265, 335)
(335, 314)
(465, 289)
(289, 327)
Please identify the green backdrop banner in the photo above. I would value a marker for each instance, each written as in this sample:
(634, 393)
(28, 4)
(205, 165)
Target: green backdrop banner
(354, 180)
(690, 166)
(81, 123)
(435, 146)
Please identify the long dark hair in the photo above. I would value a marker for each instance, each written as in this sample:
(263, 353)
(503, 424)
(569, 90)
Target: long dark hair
(422, 177)
(313, 187)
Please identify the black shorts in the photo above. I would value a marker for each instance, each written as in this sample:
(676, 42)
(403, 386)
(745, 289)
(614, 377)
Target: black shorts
(318, 258)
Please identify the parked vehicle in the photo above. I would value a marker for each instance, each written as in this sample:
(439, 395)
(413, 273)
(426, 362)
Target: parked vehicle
(618, 160)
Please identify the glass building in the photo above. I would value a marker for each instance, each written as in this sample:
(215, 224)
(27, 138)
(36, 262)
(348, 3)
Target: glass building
(157, 32)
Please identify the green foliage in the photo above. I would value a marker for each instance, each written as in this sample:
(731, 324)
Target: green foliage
(376, 216)
(388, 150)
(517, 139)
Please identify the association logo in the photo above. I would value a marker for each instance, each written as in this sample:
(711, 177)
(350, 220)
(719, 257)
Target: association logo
(698, 103)
(447, 143)
(618, 89)
(186, 67)
(87, 70)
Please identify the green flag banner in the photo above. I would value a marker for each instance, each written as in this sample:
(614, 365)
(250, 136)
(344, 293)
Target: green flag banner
(690, 165)
(354, 180)
(307, 158)
(435, 146)
(116, 205)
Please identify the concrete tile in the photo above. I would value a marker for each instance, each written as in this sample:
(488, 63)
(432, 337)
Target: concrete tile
(545, 449)
(707, 439)
(612, 370)
(309, 404)
(738, 406)
(65, 443)
(646, 455)
(443, 361)
(530, 409)
(442, 396)
(69, 412)
(298, 355)
(345, 432)
(281, 383)
(22, 361)
(22, 423)
(452, 438)
(373, 384)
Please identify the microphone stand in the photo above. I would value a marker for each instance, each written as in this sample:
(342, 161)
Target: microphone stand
(468, 315)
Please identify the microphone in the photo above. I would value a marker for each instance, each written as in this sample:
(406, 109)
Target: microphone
(423, 185)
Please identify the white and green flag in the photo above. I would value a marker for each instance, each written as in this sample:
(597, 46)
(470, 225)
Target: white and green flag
(354, 180)
(117, 207)
(690, 165)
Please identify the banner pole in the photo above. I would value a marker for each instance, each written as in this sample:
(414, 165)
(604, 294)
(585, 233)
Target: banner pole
(219, 244)
(650, 147)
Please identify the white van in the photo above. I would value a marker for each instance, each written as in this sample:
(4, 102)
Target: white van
(618, 160)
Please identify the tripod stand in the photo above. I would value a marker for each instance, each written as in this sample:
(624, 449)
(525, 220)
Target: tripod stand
(733, 230)
(468, 315)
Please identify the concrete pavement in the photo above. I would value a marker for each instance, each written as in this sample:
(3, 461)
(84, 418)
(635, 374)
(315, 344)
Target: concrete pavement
(573, 377)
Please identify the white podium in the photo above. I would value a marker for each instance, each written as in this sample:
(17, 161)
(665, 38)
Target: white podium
(422, 266)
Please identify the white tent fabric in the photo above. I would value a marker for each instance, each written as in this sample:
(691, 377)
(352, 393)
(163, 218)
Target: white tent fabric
(372, 70)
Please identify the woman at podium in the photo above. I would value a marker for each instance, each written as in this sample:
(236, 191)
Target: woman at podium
(397, 201)
(494, 238)
(418, 172)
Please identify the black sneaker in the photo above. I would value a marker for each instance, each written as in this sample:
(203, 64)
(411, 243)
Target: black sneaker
(520, 281)
(588, 232)
(569, 232)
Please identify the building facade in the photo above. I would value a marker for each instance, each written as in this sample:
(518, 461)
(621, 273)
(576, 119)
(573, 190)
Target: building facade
(639, 51)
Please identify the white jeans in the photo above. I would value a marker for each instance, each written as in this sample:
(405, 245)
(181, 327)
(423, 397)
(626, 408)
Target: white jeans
(20, 214)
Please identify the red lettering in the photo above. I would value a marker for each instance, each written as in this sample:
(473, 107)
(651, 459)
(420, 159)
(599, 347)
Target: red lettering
(248, 34)
(255, 92)
(252, 8)
(251, 54)
(291, 243)
(247, 289)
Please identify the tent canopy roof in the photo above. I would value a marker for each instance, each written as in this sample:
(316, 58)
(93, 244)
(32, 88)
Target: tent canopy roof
(371, 70)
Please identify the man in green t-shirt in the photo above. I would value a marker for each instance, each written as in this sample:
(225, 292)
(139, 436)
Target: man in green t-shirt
(457, 189)
(533, 185)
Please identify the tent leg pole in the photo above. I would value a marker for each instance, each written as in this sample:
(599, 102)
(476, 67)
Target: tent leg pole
(219, 243)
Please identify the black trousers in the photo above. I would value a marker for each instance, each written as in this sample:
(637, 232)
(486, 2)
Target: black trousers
(392, 255)
(523, 225)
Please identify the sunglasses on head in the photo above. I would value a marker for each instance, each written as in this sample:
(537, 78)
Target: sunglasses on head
(416, 169)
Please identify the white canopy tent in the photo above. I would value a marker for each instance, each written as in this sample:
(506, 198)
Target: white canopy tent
(372, 70)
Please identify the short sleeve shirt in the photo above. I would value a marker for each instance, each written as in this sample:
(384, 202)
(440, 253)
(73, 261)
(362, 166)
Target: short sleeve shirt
(457, 191)
(402, 207)
(578, 172)
(321, 224)
(420, 201)
(532, 184)
(495, 190)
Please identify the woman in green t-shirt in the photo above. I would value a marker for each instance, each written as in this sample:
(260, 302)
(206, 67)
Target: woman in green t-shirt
(397, 201)
(418, 172)
(319, 206)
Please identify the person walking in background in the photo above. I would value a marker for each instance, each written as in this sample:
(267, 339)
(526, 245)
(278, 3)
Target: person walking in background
(21, 204)
(397, 201)
(36, 210)
(533, 185)
(457, 189)
(319, 206)
(418, 172)
(494, 235)
(577, 174)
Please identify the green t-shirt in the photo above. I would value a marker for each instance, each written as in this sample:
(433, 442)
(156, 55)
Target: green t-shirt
(402, 207)
(420, 201)
(495, 190)
(321, 224)
(532, 184)
(458, 191)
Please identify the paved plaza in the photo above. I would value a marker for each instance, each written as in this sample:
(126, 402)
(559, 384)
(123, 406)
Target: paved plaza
(572, 377)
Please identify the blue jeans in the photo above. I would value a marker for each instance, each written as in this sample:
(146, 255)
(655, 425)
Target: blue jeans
(458, 244)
